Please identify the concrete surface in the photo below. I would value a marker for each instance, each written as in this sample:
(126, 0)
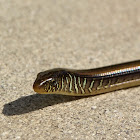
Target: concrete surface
(40, 35)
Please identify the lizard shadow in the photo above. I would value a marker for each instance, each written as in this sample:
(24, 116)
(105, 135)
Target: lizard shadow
(34, 102)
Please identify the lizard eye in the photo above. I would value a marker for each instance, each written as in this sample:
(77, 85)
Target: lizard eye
(54, 83)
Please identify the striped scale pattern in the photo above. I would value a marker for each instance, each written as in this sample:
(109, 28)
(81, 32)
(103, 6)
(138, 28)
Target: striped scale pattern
(76, 84)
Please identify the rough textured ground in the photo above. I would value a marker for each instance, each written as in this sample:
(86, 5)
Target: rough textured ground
(39, 35)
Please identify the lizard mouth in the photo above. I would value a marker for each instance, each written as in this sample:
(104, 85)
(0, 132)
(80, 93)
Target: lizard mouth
(37, 87)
